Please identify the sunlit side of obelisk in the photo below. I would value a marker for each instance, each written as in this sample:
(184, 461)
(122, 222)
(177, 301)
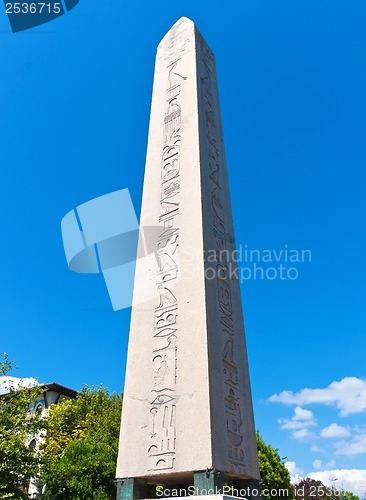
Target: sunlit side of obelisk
(187, 411)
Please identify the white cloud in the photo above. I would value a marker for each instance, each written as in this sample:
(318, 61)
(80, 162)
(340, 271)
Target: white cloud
(295, 472)
(299, 423)
(300, 420)
(317, 464)
(301, 414)
(356, 446)
(302, 434)
(7, 382)
(348, 479)
(330, 464)
(293, 468)
(335, 431)
(317, 449)
(348, 395)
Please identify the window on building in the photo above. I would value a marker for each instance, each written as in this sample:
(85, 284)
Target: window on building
(33, 444)
(38, 408)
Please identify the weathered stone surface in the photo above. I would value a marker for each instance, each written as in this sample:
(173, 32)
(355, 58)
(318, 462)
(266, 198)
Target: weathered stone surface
(187, 401)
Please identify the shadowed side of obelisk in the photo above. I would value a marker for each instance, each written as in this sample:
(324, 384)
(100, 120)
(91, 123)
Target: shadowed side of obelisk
(234, 441)
(187, 413)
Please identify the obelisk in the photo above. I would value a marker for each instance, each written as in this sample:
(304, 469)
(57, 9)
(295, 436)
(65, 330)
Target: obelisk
(187, 413)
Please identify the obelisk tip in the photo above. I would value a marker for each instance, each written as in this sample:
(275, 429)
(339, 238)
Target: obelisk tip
(182, 24)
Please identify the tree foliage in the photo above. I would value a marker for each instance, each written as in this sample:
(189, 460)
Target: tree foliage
(18, 461)
(80, 450)
(78, 456)
(348, 495)
(274, 474)
(312, 489)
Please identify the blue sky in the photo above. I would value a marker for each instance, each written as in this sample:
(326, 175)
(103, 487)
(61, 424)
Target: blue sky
(73, 126)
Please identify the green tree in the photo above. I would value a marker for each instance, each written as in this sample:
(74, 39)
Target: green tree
(18, 424)
(80, 450)
(274, 474)
(347, 495)
(311, 489)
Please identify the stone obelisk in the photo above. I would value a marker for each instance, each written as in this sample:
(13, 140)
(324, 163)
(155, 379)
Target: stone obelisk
(187, 413)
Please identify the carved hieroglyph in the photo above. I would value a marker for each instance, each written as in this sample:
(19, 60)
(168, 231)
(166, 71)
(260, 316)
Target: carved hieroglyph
(187, 401)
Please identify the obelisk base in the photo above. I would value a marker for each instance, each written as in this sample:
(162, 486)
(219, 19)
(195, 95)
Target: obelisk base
(131, 489)
(211, 480)
(210, 484)
(247, 488)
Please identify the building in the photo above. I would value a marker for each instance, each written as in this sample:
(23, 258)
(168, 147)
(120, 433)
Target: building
(53, 394)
